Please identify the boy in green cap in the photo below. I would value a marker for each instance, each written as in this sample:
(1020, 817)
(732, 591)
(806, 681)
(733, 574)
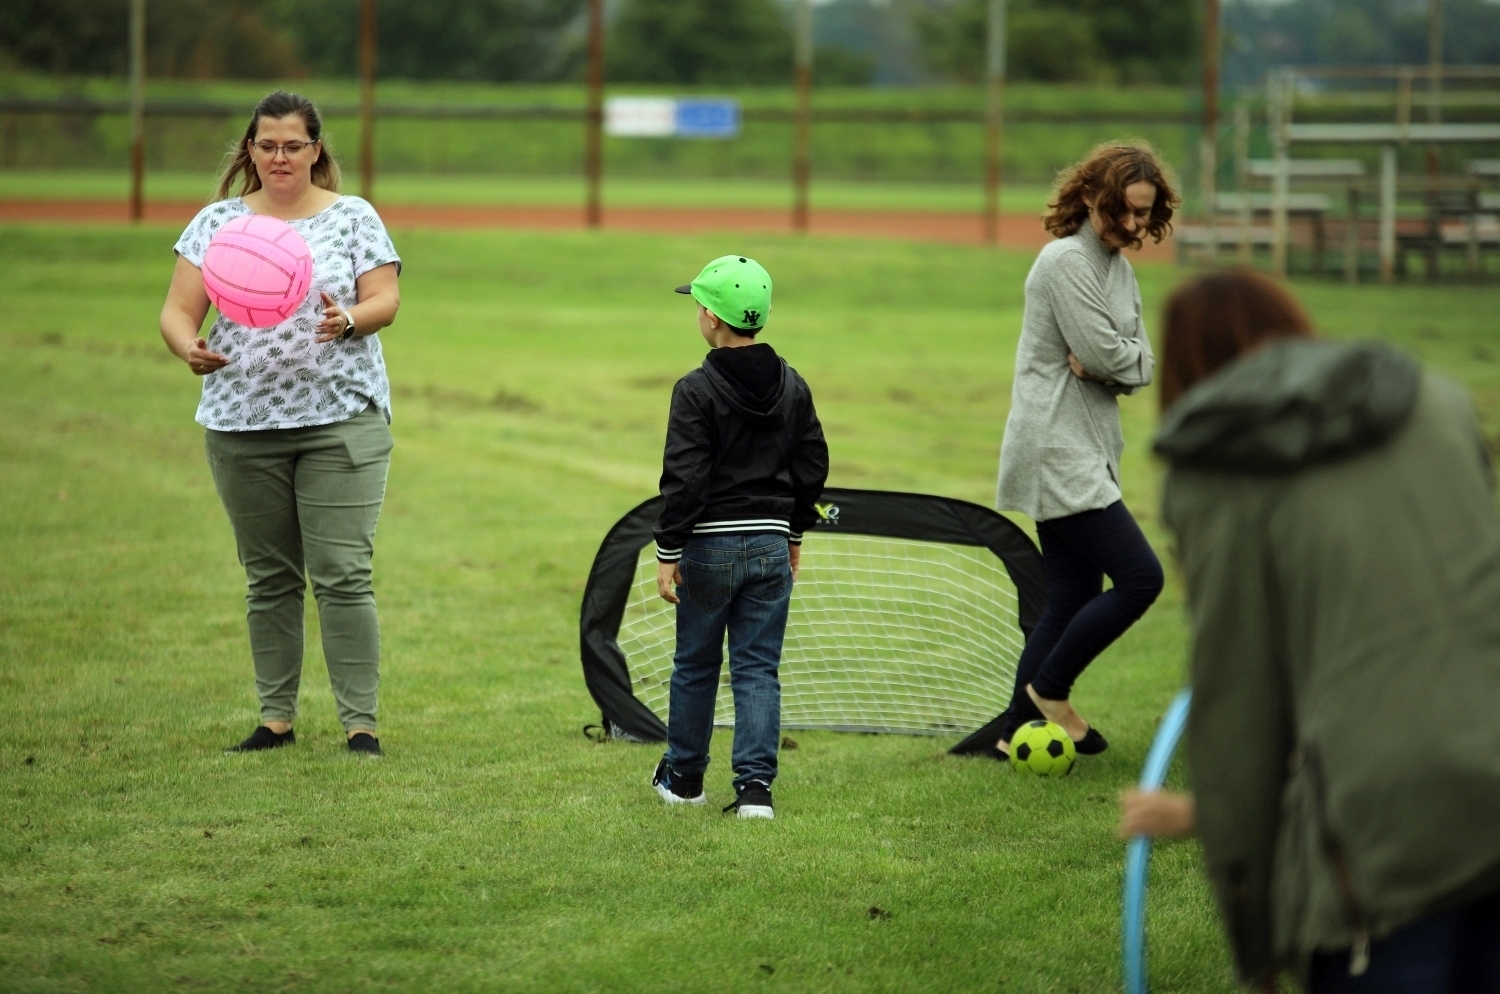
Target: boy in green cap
(745, 461)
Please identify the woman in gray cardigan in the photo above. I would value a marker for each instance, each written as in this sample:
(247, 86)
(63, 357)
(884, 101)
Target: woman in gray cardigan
(1082, 345)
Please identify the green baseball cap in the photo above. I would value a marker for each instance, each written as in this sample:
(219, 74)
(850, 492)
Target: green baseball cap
(735, 289)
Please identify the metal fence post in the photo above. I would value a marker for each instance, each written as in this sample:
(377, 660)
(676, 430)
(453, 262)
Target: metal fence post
(1208, 146)
(137, 109)
(994, 119)
(1242, 177)
(367, 99)
(802, 60)
(593, 128)
(1280, 112)
(1387, 212)
(1351, 238)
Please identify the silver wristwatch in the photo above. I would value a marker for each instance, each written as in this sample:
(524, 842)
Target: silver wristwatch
(348, 327)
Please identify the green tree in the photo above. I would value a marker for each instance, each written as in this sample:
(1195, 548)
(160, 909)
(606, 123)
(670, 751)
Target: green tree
(498, 40)
(193, 38)
(1065, 40)
(723, 42)
(1371, 32)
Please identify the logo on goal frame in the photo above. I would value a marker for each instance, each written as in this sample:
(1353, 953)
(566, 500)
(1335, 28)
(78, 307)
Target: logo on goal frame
(828, 514)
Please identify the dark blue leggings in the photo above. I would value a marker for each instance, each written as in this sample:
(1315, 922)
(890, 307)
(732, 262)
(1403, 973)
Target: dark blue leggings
(1082, 618)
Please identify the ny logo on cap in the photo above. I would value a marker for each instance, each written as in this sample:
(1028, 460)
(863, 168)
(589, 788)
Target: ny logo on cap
(752, 317)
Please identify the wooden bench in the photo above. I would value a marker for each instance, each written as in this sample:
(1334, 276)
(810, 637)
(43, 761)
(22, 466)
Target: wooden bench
(1313, 207)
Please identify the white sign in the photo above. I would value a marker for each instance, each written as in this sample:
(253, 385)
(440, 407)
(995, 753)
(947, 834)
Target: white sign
(640, 117)
(668, 117)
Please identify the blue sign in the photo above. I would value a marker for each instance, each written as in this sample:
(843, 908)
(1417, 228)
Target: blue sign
(708, 117)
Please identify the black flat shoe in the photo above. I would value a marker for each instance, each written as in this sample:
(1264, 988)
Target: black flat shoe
(1007, 732)
(264, 738)
(365, 744)
(1092, 744)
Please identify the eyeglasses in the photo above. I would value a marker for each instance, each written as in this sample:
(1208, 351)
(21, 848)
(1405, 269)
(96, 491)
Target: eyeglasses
(291, 148)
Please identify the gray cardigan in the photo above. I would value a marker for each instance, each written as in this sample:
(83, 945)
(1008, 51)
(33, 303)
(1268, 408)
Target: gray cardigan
(1061, 453)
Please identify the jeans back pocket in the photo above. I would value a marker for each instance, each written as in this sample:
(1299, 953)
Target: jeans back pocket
(774, 582)
(709, 585)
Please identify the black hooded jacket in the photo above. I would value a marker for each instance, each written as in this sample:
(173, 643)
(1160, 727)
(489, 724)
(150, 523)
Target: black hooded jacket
(745, 452)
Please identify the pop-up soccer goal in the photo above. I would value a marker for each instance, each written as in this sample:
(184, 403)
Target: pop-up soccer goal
(908, 616)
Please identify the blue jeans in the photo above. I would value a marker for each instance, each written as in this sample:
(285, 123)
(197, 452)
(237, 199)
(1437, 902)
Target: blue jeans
(742, 583)
(1456, 952)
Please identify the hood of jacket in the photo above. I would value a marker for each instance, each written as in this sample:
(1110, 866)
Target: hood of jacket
(752, 380)
(1292, 404)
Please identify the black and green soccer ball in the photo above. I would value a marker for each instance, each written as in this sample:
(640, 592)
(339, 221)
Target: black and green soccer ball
(1043, 748)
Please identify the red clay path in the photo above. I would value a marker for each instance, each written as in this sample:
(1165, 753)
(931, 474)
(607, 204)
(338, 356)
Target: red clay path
(1022, 231)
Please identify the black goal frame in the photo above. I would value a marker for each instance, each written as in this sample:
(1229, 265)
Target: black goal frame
(919, 517)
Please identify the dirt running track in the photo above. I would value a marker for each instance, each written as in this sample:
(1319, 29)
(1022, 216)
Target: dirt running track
(1021, 231)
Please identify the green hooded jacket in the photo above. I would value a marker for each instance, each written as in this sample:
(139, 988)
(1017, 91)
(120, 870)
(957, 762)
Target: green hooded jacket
(1337, 531)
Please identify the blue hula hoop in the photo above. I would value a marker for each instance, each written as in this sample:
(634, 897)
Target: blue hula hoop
(1138, 852)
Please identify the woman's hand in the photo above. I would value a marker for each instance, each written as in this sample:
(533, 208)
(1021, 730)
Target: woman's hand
(668, 575)
(333, 322)
(181, 317)
(202, 361)
(1156, 813)
(379, 297)
(1084, 374)
(1079, 371)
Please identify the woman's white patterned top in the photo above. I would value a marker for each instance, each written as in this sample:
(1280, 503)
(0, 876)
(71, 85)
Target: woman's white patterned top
(280, 377)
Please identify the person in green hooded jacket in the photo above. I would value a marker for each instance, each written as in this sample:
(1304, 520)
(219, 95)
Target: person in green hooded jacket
(1335, 523)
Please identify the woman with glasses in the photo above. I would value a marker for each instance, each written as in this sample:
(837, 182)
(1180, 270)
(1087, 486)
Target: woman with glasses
(297, 417)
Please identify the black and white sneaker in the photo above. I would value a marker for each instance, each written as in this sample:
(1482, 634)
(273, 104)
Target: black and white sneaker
(678, 788)
(264, 738)
(753, 800)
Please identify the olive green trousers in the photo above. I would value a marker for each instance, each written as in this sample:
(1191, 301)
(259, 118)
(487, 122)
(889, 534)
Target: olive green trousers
(304, 503)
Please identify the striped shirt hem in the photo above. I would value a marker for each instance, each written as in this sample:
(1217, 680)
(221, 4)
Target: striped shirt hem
(743, 526)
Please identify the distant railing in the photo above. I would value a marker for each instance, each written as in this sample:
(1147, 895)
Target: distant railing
(563, 112)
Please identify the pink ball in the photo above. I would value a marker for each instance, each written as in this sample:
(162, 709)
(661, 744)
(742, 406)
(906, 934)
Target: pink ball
(257, 270)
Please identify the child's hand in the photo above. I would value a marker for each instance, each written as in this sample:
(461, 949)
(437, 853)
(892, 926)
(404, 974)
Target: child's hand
(1157, 813)
(796, 553)
(668, 575)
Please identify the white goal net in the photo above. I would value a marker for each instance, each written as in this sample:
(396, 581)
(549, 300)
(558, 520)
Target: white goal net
(885, 635)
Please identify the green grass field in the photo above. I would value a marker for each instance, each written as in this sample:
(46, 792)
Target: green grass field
(556, 191)
(495, 848)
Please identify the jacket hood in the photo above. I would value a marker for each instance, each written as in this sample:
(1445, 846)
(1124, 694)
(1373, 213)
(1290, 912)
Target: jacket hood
(752, 380)
(1292, 404)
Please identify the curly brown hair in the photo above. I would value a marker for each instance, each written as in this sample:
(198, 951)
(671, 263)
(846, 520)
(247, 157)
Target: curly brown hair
(1102, 177)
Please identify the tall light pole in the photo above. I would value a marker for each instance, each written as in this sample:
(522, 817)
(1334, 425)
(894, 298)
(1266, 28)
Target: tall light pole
(367, 99)
(802, 65)
(137, 109)
(1208, 156)
(994, 118)
(593, 126)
